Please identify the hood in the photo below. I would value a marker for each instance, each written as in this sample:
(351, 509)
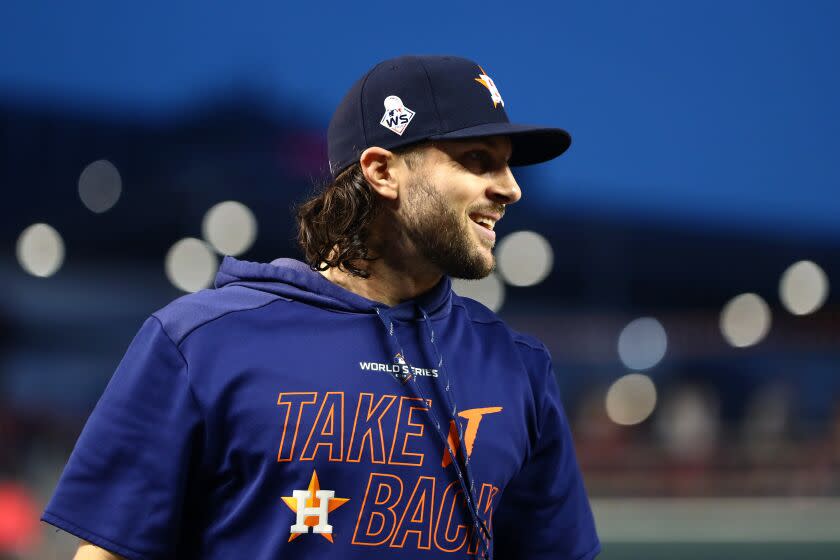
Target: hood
(294, 280)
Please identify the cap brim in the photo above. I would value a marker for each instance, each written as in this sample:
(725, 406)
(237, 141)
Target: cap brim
(530, 144)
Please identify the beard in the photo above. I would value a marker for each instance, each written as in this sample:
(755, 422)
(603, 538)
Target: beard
(441, 235)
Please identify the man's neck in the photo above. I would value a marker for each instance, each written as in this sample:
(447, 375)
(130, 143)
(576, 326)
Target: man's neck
(387, 284)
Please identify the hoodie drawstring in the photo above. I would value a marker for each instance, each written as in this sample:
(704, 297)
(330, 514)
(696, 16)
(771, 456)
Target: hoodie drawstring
(483, 532)
(449, 391)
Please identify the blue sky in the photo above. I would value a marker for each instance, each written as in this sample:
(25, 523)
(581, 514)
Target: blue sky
(723, 113)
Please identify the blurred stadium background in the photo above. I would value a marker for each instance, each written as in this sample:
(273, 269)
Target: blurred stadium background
(678, 261)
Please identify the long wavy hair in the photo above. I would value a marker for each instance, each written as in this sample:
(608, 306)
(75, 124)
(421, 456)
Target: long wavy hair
(334, 224)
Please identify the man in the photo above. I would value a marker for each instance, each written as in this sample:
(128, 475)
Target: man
(351, 407)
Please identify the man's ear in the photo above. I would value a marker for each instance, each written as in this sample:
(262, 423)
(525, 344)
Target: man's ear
(380, 168)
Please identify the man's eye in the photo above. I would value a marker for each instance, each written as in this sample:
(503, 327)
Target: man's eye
(477, 157)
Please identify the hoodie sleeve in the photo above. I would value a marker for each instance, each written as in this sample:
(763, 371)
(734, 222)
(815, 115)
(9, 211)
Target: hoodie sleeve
(123, 488)
(544, 512)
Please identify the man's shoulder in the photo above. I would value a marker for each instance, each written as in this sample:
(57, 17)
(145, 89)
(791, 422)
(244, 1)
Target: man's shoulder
(480, 314)
(189, 312)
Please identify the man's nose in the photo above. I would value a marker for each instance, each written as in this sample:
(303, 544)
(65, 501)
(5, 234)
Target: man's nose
(504, 188)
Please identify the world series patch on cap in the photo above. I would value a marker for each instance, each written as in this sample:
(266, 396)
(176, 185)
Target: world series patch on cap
(410, 99)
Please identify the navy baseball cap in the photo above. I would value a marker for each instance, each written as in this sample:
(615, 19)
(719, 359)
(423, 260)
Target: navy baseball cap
(410, 99)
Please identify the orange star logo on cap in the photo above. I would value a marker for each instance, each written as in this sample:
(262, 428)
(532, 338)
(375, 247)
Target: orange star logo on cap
(487, 82)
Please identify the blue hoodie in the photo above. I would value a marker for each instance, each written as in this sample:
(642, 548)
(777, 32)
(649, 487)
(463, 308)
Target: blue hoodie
(281, 416)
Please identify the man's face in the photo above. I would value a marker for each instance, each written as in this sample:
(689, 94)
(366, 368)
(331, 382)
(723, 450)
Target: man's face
(457, 192)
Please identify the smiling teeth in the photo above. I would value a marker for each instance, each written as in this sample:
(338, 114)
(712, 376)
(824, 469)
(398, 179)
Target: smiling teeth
(486, 222)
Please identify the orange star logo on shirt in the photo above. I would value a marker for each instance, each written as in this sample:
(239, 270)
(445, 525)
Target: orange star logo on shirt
(313, 502)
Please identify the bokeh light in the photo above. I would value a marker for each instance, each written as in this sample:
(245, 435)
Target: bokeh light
(524, 258)
(40, 250)
(191, 265)
(803, 288)
(642, 343)
(631, 399)
(19, 527)
(745, 320)
(489, 291)
(689, 422)
(100, 186)
(230, 227)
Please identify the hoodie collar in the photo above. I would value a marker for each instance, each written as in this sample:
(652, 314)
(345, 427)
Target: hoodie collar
(296, 280)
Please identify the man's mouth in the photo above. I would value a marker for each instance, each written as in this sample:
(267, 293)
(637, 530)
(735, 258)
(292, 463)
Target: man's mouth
(484, 220)
(484, 224)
